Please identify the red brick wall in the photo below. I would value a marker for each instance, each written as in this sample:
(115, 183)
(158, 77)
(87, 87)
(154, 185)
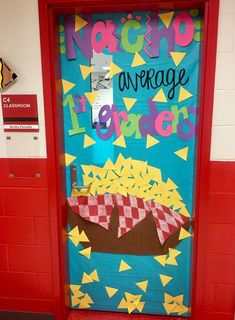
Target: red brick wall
(219, 281)
(25, 245)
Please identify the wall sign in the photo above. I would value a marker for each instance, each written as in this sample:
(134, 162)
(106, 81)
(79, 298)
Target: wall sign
(20, 113)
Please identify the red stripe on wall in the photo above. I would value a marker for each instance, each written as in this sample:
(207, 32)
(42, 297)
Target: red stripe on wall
(25, 240)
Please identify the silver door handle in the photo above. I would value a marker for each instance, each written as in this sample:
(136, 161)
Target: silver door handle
(74, 183)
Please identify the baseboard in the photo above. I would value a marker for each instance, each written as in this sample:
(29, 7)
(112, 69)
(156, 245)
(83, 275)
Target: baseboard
(13, 315)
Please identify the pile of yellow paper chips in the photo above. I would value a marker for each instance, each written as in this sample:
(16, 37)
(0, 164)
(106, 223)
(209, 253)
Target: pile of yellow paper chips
(132, 177)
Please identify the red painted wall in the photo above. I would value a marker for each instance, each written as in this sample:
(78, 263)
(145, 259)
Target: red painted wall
(25, 241)
(25, 245)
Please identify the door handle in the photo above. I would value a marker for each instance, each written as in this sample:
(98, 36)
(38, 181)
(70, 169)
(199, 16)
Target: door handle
(74, 183)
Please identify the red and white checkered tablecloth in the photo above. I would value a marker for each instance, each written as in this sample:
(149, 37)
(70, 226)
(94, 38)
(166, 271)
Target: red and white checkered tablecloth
(132, 210)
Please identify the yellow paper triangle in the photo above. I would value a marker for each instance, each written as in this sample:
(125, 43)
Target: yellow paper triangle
(182, 309)
(168, 298)
(75, 193)
(114, 69)
(143, 285)
(179, 299)
(171, 185)
(184, 94)
(86, 278)
(79, 23)
(74, 232)
(184, 234)
(75, 301)
(165, 279)
(111, 175)
(131, 297)
(86, 71)
(151, 141)
(177, 57)
(160, 96)
(87, 299)
(86, 252)
(122, 304)
(74, 288)
(120, 142)
(94, 275)
(166, 18)
(67, 85)
(129, 102)
(161, 259)
(91, 96)
(83, 237)
(88, 141)
(138, 60)
(124, 266)
(169, 307)
(111, 291)
(182, 153)
(140, 306)
(86, 169)
(69, 159)
(130, 307)
(84, 305)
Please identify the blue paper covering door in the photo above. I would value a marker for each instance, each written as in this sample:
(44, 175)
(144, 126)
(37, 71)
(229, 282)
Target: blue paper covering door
(130, 86)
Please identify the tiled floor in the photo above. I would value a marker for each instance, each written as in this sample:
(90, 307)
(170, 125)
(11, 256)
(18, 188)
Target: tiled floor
(95, 315)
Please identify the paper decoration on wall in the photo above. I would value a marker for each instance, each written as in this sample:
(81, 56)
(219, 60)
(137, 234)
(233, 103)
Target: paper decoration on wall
(111, 291)
(86, 252)
(182, 153)
(120, 142)
(143, 285)
(166, 18)
(184, 94)
(132, 302)
(91, 96)
(76, 237)
(86, 71)
(88, 141)
(165, 279)
(177, 57)
(184, 234)
(131, 210)
(129, 102)
(79, 298)
(143, 192)
(168, 259)
(151, 141)
(67, 85)
(79, 23)
(124, 266)
(69, 159)
(6, 74)
(137, 60)
(160, 96)
(114, 69)
(88, 278)
(174, 304)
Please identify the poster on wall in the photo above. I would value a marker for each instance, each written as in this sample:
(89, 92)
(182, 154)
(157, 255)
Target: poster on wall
(130, 85)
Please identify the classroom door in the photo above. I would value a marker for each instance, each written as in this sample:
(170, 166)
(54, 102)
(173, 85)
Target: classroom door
(130, 100)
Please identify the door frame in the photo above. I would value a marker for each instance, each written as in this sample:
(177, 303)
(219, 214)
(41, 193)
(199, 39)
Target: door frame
(48, 14)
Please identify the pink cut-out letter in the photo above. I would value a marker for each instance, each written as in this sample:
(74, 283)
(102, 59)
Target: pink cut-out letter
(159, 123)
(183, 39)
